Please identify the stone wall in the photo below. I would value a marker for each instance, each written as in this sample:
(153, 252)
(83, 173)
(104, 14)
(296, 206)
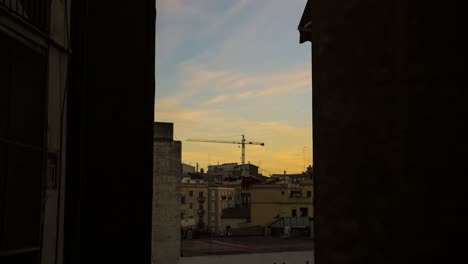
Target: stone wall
(166, 196)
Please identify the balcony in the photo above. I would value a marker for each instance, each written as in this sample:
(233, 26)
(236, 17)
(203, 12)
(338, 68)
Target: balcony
(201, 199)
(36, 12)
(201, 212)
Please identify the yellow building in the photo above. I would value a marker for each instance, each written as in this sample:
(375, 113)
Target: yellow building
(220, 197)
(270, 202)
(194, 204)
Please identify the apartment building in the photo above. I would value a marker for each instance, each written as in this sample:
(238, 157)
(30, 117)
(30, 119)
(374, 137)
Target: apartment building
(194, 205)
(34, 58)
(76, 131)
(220, 197)
(272, 201)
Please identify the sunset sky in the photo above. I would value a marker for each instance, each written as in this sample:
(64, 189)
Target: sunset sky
(230, 67)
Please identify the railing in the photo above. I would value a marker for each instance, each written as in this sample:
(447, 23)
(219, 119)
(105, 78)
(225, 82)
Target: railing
(295, 194)
(201, 199)
(293, 222)
(35, 12)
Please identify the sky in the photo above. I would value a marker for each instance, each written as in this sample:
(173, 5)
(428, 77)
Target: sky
(230, 67)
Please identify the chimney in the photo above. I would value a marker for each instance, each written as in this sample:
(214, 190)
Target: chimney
(197, 166)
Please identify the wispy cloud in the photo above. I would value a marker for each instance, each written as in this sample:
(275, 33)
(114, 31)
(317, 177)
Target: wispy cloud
(224, 70)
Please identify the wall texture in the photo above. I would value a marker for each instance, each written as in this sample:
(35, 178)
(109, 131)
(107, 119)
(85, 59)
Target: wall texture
(167, 156)
(387, 143)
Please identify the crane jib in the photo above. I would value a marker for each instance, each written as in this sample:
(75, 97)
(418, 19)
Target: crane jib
(243, 142)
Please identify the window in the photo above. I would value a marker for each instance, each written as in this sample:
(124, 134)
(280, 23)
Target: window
(304, 211)
(182, 199)
(294, 212)
(23, 161)
(191, 193)
(282, 193)
(35, 12)
(200, 194)
(190, 205)
(309, 194)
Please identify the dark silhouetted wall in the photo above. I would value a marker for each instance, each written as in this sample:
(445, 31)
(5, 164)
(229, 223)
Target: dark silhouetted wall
(110, 139)
(387, 132)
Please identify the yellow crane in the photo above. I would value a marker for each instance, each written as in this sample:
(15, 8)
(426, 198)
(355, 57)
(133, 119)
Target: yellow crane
(243, 142)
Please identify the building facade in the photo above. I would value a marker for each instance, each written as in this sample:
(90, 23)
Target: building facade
(233, 170)
(34, 59)
(194, 205)
(270, 202)
(220, 197)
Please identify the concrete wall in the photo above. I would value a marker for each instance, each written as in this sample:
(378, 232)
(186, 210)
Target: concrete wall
(233, 223)
(166, 197)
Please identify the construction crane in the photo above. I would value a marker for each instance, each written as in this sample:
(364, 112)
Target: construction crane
(243, 142)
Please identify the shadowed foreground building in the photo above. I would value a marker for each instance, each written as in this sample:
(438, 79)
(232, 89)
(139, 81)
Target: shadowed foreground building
(76, 131)
(388, 139)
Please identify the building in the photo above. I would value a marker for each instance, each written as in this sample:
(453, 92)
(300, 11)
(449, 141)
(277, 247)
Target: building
(186, 168)
(388, 100)
(246, 186)
(192, 180)
(236, 183)
(293, 178)
(76, 131)
(225, 167)
(220, 197)
(194, 205)
(233, 170)
(272, 201)
(166, 193)
(34, 66)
